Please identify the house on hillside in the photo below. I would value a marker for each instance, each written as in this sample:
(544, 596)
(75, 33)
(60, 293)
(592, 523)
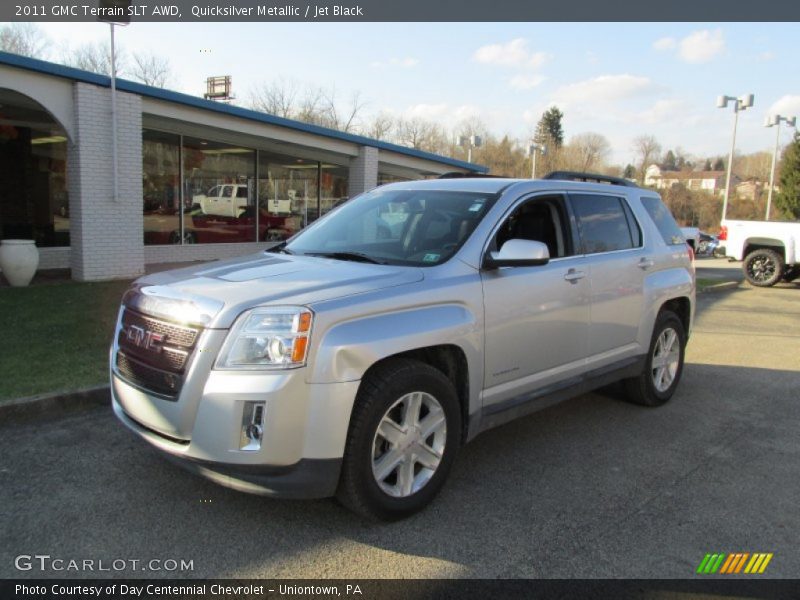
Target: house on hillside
(712, 182)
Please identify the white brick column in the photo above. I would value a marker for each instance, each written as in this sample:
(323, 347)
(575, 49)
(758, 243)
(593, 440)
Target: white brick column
(106, 236)
(363, 171)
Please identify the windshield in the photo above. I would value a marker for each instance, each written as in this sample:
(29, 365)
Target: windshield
(399, 227)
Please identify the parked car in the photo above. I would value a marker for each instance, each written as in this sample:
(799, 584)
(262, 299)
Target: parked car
(218, 228)
(226, 200)
(357, 358)
(769, 250)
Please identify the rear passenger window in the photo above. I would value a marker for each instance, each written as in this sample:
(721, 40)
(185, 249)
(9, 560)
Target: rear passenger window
(603, 224)
(663, 220)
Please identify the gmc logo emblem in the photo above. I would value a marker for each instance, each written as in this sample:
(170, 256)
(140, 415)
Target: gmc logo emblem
(142, 338)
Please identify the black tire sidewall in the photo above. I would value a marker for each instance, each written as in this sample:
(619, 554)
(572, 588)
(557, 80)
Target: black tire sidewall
(665, 320)
(411, 376)
(774, 257)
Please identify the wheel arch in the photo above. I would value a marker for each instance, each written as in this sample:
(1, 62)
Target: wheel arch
(758, 243)
(451, 361)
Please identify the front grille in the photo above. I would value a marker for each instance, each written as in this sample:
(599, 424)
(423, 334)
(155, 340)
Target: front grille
(153, 354)
(147, 377)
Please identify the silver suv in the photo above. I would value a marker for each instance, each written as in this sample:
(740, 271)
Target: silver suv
(358, 357)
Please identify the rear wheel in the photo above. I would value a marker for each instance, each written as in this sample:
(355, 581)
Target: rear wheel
(763, 267)
(404, 435)
(664, 365)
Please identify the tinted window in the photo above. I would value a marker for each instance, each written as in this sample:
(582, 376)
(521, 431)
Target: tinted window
(602, 223)
(663, 219)
(542, 219)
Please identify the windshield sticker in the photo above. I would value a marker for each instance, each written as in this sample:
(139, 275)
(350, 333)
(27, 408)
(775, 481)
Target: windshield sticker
(476, 207)
(432, 257)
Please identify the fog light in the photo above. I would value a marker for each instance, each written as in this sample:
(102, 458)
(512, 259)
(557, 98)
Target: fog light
(252, 426)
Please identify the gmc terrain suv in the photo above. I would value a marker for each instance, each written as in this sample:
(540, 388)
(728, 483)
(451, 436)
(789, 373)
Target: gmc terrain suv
(356, 358)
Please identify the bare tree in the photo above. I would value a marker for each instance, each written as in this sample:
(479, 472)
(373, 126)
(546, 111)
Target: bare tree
(590, 150)
(421, 134)
(151, 69)
(381, 126)
(277, 98)
(94, 57)
(647, 150)
(25, 39)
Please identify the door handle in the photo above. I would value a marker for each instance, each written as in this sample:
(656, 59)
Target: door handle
(646, 263)
(573, 276)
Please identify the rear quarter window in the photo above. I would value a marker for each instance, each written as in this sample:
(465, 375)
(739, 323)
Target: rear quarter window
(663, 221)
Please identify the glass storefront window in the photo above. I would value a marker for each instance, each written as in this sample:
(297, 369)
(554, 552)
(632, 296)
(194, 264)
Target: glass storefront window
(219, 192)
(287, 191)
(161, 187)
(333, 181)
(33, 173)
(384, 178)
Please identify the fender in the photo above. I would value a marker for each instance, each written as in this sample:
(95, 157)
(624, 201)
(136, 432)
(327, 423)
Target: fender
(659, 288)
(351, 347)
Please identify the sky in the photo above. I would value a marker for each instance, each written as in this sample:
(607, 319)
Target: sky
(621, 80)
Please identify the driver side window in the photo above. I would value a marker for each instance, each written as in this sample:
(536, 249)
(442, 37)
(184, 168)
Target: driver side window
(541, 219)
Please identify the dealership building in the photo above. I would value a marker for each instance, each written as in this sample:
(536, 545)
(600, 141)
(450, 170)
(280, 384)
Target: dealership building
(195, 179)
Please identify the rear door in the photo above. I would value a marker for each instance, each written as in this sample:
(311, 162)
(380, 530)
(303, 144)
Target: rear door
(617, 261)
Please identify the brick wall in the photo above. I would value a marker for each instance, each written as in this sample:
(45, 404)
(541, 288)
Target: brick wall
(363, 171)
(106, 235)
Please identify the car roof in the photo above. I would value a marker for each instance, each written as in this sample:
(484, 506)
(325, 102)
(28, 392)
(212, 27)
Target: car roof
(492, 185)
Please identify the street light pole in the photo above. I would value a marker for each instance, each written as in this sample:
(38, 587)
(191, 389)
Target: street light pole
(532, 149)
(775, 120)
(741, 103)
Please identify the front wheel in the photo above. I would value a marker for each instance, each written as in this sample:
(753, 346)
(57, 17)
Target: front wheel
(763, 267)
(664, 366)
(404, 435)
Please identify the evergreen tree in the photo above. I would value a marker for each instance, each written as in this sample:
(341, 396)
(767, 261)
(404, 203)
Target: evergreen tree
(549, 130)
(670, 163)
(707, 166)
(788, 200)
(630, 172)
(719, 165)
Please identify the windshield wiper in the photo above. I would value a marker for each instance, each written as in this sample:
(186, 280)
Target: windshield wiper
(280, 248)
(354, 256)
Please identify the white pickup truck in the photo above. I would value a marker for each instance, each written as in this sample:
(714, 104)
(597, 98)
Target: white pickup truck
(769, 249)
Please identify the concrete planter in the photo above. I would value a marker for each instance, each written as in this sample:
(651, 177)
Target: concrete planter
(18, 260)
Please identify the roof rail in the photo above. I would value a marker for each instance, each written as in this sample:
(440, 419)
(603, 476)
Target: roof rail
(590, 177)
(462, 175)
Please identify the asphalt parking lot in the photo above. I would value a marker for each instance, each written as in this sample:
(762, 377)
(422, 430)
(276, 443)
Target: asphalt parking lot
(593, 487)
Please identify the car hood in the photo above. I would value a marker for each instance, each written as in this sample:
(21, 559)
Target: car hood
(215, 294)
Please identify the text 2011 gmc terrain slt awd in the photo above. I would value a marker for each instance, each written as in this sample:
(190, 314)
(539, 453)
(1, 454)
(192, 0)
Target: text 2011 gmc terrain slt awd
(358, 357)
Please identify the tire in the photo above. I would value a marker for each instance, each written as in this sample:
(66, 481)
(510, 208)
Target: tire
(386, 480)
(660, 378)
(763, 267)
(792, 274)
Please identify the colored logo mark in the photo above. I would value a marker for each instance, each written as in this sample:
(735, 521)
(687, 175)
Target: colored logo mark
(734, 563)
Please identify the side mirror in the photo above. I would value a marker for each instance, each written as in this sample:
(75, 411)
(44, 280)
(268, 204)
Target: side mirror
(518, 253)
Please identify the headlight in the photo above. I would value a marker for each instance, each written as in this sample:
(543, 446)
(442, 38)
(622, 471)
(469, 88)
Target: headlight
(274, 337)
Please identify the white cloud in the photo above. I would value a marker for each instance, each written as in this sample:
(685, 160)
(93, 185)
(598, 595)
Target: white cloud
(605, 89)
(698, 47)
(701, 46)
(403, 63)
(430, 112)
(511, 54)
(670, 110)
(526, 82)
(665, 43)
(765, 56)
(786, 106)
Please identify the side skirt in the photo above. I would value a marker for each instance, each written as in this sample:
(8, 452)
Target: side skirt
(539, 399)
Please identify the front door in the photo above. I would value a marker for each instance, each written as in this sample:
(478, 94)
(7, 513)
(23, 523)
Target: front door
(537, 318)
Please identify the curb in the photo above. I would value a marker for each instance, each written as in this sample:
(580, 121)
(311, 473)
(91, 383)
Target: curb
(54, 403)
(719, 287)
